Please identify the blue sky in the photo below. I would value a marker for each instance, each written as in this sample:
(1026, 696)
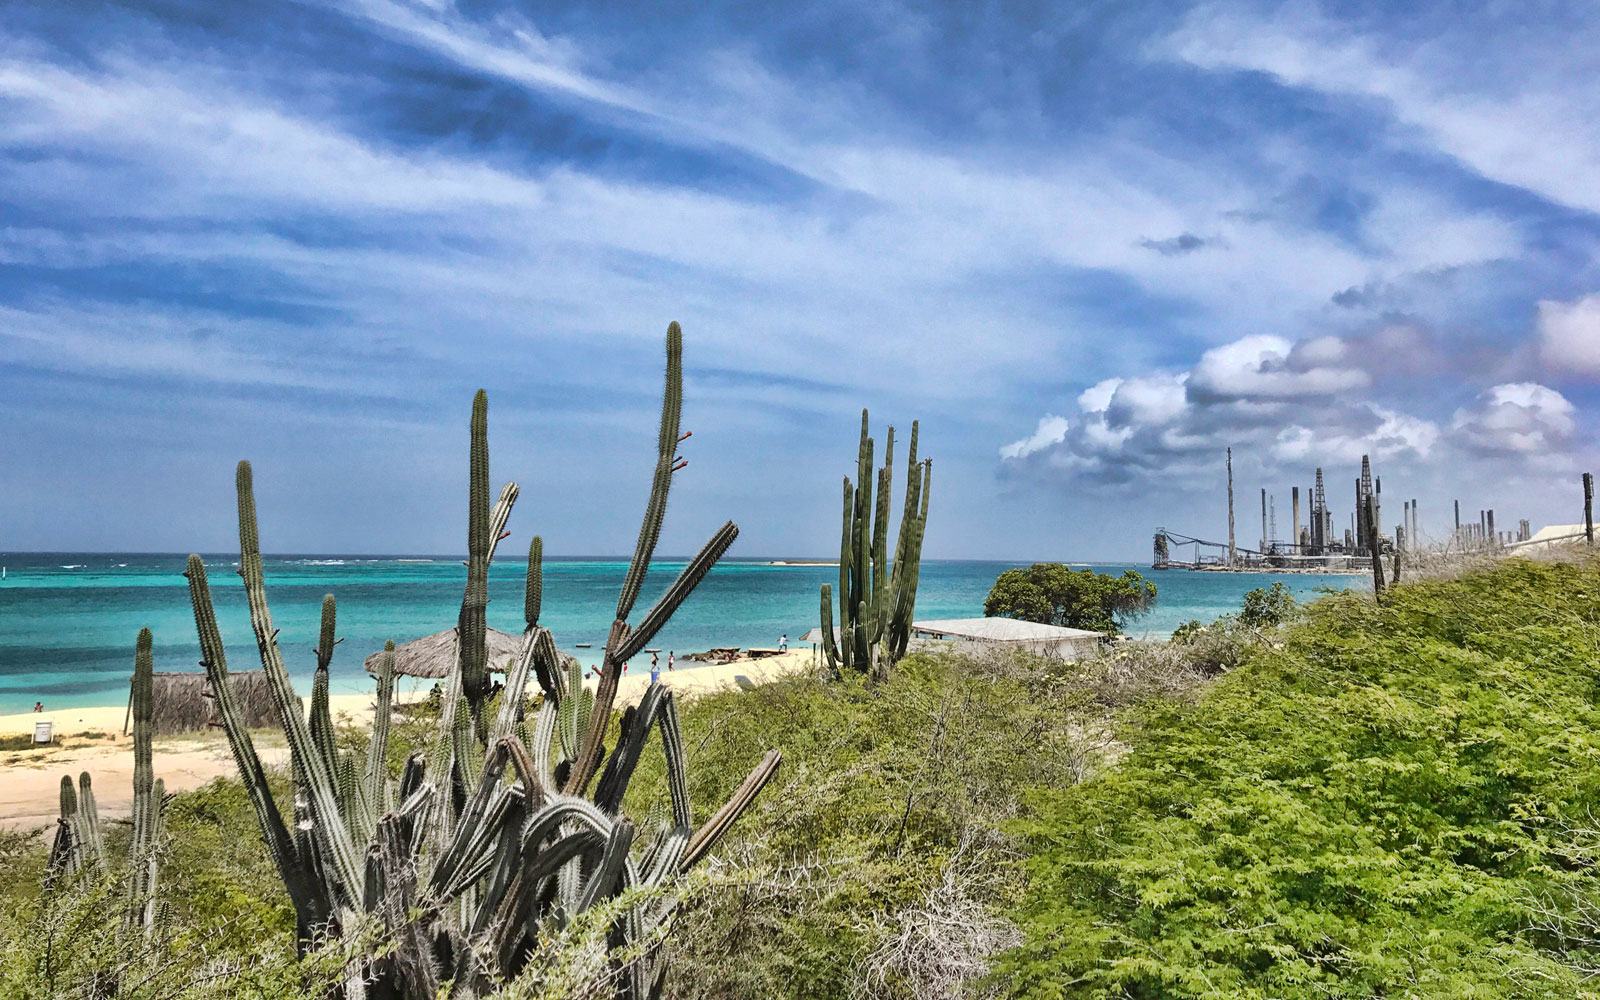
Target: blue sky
(1088, 245)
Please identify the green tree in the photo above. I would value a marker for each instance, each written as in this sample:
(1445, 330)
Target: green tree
(1267, 607)
(1052, 594)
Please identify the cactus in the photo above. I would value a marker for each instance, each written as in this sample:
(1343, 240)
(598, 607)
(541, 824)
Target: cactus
(79, 843)
(877, 599)
(487, 838)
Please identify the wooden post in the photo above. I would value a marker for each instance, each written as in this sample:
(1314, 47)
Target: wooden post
(1588, 508)
(1374, 547)
(1494, 536)
(1230, 508)
(1399, 543)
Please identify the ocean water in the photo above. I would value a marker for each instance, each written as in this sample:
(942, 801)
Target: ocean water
(68, 620)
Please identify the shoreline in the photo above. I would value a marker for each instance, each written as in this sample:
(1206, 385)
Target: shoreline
(90, 739)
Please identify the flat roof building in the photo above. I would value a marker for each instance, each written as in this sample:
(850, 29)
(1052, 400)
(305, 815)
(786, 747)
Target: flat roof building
(1009, 633)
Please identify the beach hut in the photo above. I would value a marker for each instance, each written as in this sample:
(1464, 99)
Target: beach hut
(987, 634)
(435, 656)
(182, 702)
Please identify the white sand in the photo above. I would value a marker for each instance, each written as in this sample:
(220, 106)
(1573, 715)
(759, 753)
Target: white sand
(90, 739)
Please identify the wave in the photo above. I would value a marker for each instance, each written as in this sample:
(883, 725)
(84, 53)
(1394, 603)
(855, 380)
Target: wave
(318, 562)
(74, 566)
(413, 560)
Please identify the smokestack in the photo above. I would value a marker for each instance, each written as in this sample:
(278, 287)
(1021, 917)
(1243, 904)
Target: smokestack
(1294, 501)
(1230, 508)
(1263, 546)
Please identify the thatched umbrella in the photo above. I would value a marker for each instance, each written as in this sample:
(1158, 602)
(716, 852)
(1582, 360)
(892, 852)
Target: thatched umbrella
(435, 655)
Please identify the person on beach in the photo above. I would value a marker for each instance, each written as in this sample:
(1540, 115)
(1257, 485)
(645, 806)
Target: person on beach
(783, 643)
(38, 706)
(669, 661)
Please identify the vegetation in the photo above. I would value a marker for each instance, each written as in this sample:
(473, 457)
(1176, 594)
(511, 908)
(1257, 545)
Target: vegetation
(490, 851)
(876, 600)
(1342, 799)
(1052, 594)
(1390, 799)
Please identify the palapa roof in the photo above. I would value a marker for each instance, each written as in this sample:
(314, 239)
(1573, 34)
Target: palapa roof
(182, 702)
(435, 655)
(1001, 630)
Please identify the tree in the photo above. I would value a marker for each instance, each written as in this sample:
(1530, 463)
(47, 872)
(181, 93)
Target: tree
(1052, 594)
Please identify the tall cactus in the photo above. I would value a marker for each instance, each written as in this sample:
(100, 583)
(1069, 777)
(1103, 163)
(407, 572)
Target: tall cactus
(472, 626)
(493, 835)
(79, 844)
(877, 598)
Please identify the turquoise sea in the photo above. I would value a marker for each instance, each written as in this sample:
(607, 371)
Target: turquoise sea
(68, 620)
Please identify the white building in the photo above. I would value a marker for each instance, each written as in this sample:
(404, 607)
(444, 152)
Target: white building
(988, 634)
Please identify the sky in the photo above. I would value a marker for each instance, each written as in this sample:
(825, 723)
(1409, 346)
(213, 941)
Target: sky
(1088, 246)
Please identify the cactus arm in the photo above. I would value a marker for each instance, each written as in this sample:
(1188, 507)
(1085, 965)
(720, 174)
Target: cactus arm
(505, 720)
(311, 905)
(681, 588)
(666, 459)
(345, 866)
(613, 862)
(378, 749)
(830, 648)
(533, 594)
(89, 823)
(880, 520)
(500, 515)
(149, 865)
(144, 834)
(707, 836)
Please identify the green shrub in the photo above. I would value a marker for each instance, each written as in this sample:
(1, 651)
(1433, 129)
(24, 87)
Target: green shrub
(1378, 805)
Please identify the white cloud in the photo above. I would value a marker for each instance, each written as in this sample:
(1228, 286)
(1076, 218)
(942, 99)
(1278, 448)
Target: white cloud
(1521, 418)
(1051, 430)
(1569, 335)
(1257, 367)
(1395, 434)
(1519, 121)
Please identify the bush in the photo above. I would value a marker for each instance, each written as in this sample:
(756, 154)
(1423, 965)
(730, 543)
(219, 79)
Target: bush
(1375, 806)
(1052, 594)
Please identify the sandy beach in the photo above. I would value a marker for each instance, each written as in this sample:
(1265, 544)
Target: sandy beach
(90, 739)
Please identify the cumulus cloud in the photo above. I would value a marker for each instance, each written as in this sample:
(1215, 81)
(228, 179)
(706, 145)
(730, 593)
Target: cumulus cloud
(1517, 418)
(1304, 403)
(1569, 335)
(1260, 368)
(1051, 430)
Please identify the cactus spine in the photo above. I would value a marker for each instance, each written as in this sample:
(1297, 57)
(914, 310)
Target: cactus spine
(877, 598)
(487, 839)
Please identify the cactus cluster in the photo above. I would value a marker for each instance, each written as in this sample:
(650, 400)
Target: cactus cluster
(876, 599)
(501, 829)
(79, 844)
